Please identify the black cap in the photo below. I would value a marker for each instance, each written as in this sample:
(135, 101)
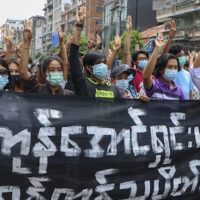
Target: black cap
(116, 71)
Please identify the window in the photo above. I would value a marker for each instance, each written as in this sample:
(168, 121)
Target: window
(100, 1)
(99, 21)
(99, 10)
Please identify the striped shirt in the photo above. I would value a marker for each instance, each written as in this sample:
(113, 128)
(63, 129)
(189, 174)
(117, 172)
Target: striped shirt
(161, 91)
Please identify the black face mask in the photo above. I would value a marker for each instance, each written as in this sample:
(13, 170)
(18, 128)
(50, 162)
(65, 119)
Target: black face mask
(14, 80)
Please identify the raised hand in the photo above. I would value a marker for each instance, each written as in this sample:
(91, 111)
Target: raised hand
(172, 25)
(68, 41)
(137, 47)
(129, 23)
(61, 34)
(81, 15)
(9, 35)
(190, 54)
(117, 43)
(91, 44)
(159, 42)
(18, 46)
(109, 54)
(98, 40)
(8, 39)
(144, 98)
(27, 33)
(18, 49)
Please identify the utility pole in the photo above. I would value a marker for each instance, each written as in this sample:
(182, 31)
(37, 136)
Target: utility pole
(136, 15)
(119, 13)
(110, 24)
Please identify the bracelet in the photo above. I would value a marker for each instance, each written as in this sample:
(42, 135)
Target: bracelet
(79, 25)
(10, 51)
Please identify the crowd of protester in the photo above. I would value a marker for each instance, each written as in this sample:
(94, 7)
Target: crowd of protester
(168, 73)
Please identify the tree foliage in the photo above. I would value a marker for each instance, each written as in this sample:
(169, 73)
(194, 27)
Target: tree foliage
(83, 45)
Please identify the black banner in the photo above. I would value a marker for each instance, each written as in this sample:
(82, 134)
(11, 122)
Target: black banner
(76, 148)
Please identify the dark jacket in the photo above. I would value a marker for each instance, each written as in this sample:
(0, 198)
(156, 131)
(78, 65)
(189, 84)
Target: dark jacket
(86, 86)
(32, 85)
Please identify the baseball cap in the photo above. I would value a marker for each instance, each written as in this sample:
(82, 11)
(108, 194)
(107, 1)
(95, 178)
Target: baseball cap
(116, 71)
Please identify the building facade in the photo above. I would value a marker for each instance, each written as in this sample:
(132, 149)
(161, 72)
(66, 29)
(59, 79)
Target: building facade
(16, 26)
(54, 16)
(135, 8)
(71, 13)
(63, 12)
(109, 6)
(2, 36)
(186, 13)
(64, 17)
(47, 31)
(38, 23)
(94, 17)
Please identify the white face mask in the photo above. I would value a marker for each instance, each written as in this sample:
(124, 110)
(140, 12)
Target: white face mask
(142, 64)
(170, 74)
(123, 84)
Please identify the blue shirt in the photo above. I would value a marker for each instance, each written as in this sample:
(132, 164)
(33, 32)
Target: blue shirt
(184, 80)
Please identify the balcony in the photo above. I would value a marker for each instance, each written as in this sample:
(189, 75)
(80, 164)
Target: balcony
(71, 19)
(163, 15)
(50, 1)
(80, 3)
(48, 5)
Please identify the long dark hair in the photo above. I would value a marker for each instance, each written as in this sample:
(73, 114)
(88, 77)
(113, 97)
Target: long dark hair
(3, 63)
(162, 62)
(12, 60)
(93, 58)
(17, 81)
(47, 62)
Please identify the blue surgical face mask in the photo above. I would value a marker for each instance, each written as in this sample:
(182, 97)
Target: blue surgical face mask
(170, 74)
(123, 84)
(100, 71)
(130, 77)
(3, 81)
(182, 60)
(142, 64)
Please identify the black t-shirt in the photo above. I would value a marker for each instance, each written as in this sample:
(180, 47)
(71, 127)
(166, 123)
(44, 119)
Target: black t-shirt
(33, 85)
(86, 86)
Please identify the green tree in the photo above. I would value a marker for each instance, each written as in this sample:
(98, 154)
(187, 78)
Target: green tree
(54, 50)
(83, 45)
(38, 55)
(41, 58)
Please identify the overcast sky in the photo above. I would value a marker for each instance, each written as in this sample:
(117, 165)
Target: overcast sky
(20, 9)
